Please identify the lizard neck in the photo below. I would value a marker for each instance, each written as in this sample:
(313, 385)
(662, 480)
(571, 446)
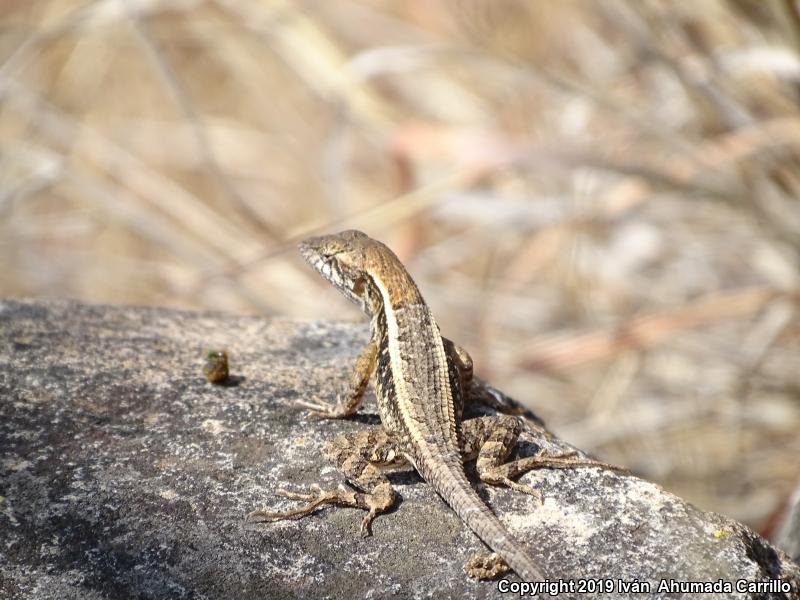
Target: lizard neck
(389, 287)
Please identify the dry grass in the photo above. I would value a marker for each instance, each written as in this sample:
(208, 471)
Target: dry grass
(600, 200)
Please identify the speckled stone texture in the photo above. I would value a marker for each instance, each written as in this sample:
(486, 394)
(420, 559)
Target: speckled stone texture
(788, 534)
(125, 474)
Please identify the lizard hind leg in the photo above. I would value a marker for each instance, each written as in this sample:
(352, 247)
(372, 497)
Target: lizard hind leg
(359, 456)
(493, 438)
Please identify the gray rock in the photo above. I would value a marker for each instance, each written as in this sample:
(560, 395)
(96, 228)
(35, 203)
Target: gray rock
(788, 534)
(124, 474)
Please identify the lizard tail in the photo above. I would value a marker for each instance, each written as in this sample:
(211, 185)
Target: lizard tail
(455, 488)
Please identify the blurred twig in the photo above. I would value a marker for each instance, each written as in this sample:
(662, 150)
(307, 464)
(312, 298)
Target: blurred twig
(173, 83)
(562, 351)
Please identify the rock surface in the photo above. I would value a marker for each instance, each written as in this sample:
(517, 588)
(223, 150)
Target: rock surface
(788, 534)
(124, 474)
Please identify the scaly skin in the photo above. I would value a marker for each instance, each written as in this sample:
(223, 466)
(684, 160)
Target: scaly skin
(416, 384)
(420, 380)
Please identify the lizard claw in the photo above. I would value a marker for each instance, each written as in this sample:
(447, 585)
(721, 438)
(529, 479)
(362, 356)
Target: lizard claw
(316, 408)
(304, 496)
(324, 410)
(366, 524)
(524, 488)
(568, 460)
(312, 500)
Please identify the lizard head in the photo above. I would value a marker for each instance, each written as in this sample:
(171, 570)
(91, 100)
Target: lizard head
(342, 259)
(363, 269)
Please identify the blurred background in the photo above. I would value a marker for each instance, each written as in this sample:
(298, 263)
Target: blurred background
(598, 199)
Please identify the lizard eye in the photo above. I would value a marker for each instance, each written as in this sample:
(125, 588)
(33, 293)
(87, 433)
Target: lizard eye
(329, 256)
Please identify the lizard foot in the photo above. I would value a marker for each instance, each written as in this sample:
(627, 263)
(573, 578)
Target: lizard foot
(313, 500)
(374, 503)
(501, 475)
(568, 461)
(504, 474)
(522, 487)
(486, 566)
(325, 410)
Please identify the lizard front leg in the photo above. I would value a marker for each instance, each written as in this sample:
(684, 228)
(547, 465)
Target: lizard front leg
(360, 456)
(347, 403)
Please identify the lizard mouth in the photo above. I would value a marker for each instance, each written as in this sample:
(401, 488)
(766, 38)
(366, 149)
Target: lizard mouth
(308, 252)
(311, 253)
(324, 264)
(326, 261)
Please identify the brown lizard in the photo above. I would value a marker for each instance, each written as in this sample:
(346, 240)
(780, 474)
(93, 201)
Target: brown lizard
(420, 384)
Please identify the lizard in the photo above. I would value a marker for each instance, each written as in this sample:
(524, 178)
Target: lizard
(421, 380)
